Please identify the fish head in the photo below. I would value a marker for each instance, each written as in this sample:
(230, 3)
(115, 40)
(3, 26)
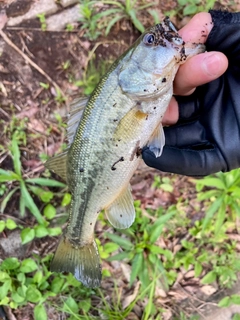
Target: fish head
(152, 62)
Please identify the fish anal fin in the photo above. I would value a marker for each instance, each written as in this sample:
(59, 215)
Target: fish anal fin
(157, 141)
(121, 212)
(83, 262)
(58, 165)
(74, 117)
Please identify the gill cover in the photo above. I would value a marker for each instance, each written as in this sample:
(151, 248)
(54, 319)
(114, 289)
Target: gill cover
(157, 54)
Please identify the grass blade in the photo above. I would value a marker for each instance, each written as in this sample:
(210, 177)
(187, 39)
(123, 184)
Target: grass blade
(7, 198)
(30, 204)
(16, 157)
(46, 182)
(210, 212)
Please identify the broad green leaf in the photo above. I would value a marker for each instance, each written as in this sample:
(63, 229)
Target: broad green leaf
(30, 204)
(16, 157)
(71, 306)
(10, 264)
(4, 301)
(225, 302)
(57, 284)
(197, 269)
(38, 277)
(235, 299)
(28, 265)
(213, 182)
(44, 195)
(11, 224)
(46, 182)
(2, 225)
(54, 231)
(66, 199)
(4, 276)
(190, 9)
(40, 231)
(27, 235)
(85, 305)
(17, 298)
(110, 247)
(49, 211)
(208, 194)
(5, 288)
(166, 187)
(33, 294)
(21, 278)
(137, 265)
(123, 242)
(40, 312)
(118, 257)
(209, 277)
(182, 2)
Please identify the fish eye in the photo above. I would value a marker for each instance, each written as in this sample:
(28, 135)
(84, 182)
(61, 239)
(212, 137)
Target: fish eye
(149, 39)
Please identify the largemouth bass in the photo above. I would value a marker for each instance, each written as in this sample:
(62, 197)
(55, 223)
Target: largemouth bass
(122, 116)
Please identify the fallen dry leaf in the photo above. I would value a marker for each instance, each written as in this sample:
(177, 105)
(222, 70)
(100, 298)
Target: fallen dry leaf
(129, 299)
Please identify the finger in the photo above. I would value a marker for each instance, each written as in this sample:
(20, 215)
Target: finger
(182, 135)
(198, 28)
(199, 70)
(185, 161)
(172, 114)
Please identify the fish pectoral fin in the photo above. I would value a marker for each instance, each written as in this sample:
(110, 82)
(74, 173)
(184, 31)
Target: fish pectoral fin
(83, 262)
(157, 141)
(121, 213)
(58, 164)
(74, 117)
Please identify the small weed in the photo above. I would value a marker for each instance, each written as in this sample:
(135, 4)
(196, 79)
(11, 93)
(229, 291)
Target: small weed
(94, 21)
(29, 281)
(92, 76)
(44, 85)
(223, 200)
(18, 183)
(140, 248)
(191, 7)
(42, 19)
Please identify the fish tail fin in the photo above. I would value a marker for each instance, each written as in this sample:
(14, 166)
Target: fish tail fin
(83, 262)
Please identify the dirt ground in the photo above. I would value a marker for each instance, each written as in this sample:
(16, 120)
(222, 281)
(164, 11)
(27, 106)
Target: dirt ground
(30, 56)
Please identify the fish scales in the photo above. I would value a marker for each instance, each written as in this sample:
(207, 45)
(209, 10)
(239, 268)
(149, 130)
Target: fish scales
(122, 116)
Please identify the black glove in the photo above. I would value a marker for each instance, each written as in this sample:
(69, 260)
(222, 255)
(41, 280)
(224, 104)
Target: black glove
(206, 139)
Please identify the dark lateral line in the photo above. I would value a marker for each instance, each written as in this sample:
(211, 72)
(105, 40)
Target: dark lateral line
(113, 166)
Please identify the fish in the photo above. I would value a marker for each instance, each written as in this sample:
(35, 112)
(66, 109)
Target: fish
(106, 134)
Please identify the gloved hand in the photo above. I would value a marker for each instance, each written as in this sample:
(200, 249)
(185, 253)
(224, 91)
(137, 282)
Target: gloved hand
(206, 138)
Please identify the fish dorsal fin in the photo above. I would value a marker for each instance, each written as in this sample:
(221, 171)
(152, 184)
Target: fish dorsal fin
(121, 213)
(74, 117)
(58, 165)
(157, 141)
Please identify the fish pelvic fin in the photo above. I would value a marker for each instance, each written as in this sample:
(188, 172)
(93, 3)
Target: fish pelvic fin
(83, 262)
(157, 141)
(58, 165)
(121, 212)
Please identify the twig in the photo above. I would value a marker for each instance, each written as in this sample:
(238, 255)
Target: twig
(33, 64)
